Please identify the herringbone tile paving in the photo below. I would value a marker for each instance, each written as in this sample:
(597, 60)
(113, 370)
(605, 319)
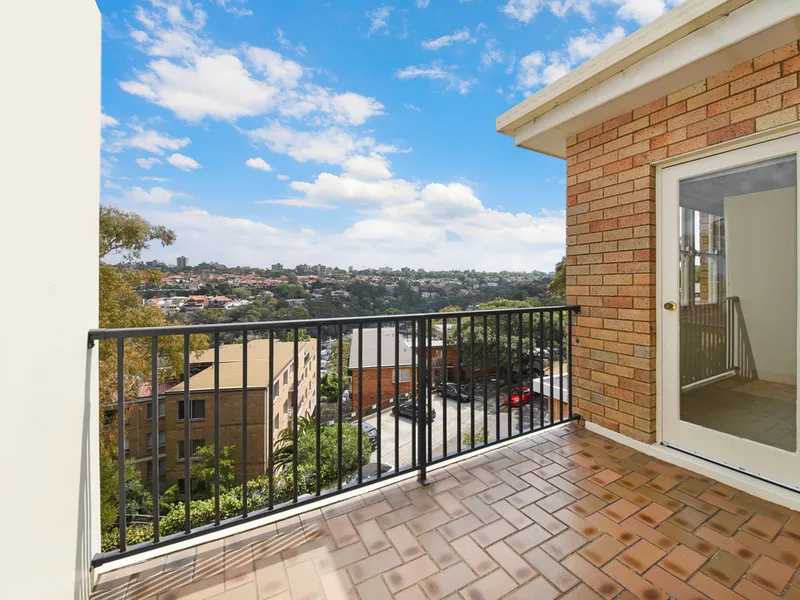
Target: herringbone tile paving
(564, 514)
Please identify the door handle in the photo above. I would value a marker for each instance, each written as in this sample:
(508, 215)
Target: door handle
(670, 305)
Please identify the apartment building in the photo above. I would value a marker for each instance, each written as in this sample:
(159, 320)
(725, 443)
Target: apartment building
(260, 417)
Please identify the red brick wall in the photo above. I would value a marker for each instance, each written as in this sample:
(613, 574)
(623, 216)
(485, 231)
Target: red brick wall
(611, 220)
(370, 387)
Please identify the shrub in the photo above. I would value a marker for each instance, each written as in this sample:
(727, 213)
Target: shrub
(481, 436)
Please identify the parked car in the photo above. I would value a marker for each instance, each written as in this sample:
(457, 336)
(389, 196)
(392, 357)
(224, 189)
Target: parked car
(518, 395)
(372, 434)
(370, 472)
(451, 391)
(407, 409)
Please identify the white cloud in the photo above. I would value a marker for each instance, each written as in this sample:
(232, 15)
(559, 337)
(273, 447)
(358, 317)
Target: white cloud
(437, 71)
(147, 163)
(277, 69)
(299, 49)
(184, 163)
(297, 203)
(110, 185)
(333, 145)
(368, 168)
(228, 6)
(644, 11)
(591, 43)
(492, 54)
(328, 188)
(258, 163)
(106, 121)
(156, 195)
(523, 10)
(641, 11)
(161, 179)
(561, 8)
(282, 177)
(423, 3)
(412, 107)
(149, 140)
(536, 69)
(379, 18)
(461, 35)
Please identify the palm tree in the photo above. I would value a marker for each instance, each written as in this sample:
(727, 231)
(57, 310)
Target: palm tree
(283, 454)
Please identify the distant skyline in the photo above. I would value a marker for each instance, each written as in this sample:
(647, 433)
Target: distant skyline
(357, 133)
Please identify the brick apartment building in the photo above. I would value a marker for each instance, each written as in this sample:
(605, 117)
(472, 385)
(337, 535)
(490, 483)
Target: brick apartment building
(201, 387)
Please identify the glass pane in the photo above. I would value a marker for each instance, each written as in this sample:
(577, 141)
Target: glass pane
(738, 301)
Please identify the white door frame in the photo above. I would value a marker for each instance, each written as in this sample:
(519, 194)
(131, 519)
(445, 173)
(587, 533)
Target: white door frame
(743, 455)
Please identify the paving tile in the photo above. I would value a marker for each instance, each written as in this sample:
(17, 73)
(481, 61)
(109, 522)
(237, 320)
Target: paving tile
(676, 588)
(479, 508)
(411, 593)
(775, 551)
(564, 544)
(342, 531)
(245, 591)
(544, 518)
(446, 582)
(304, 581)
(586, 506)
(654, 536)
(641, 556)
(682, 562)
(716, 540)
(489, 534)
(374, 565)
(604, 477)
(762, 527)
(497, 492)
(620, 510)
(713, 589)
(556, 501)
(551, 569)
(529, 496)
(340, 558)
(438, 549)
(688, 518)
(653, 514)
(629, 495)
(751, 591)
(478, 560)
(410, 573)
(538, 589)
(662, 484)
(372, 536)
(601, 550)
(428, 521)
(374, 589)
(634, 583)
(725, 568)
(524, 540)
(492, 587)
(613, 529)
(459, 527)
(404, 542)
(594, 577)
(770, 574)
(579, 524)
(725, 523)
(451, 505)
(511, 561)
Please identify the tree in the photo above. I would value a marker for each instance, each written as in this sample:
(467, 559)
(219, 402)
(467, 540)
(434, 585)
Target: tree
(127, 235)
(558, 286)
(203, 471)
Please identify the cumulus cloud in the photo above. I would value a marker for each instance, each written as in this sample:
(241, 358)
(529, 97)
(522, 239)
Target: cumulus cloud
(106, 121)
(461, 35)
(368, 168)
(438, 71)
(258, 163)
(298, 203)
(156, 195)
(232, 7)
(492, 54)
(147, 163)
(184, 163)
(641, 11)
(379, 18)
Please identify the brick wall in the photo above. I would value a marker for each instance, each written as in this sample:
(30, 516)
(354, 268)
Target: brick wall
(611, 220)
(370, 387)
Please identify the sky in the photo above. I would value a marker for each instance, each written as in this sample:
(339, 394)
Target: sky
(343, 132)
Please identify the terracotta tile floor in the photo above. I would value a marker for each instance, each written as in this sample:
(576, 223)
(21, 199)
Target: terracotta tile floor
(562, 514)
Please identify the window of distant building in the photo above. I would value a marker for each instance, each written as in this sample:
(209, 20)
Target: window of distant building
(162, 439)
(198, 408)
(405, 375)
(276, 388)
(162, 409)
(285, 377)
(195, 444)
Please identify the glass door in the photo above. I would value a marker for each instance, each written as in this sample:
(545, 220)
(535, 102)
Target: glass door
(729, 291)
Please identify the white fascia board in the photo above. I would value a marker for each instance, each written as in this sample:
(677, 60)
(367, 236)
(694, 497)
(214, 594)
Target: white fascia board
(754, 29)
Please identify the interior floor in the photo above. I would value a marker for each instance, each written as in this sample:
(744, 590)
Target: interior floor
(762, 411)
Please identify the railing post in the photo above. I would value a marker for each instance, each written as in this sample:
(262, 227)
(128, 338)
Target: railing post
(422, 392)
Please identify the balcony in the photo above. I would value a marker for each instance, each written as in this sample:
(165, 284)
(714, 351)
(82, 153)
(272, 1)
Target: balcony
(562, 513)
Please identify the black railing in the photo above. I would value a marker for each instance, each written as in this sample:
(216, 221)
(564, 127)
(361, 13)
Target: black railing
(422, 389)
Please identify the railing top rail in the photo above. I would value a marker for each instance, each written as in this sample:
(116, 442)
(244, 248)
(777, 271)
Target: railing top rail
(108, 334)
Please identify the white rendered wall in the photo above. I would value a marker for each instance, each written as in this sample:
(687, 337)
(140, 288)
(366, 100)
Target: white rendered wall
(49, 196)
(761, 258)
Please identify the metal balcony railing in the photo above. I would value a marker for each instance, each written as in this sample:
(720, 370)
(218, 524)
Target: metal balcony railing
(477, 378)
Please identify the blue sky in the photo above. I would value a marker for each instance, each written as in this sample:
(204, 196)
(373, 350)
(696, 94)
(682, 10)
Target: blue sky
(343, 132)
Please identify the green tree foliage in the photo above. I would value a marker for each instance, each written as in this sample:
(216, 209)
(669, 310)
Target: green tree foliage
(203, 471)
(481, 436)
(558, 286)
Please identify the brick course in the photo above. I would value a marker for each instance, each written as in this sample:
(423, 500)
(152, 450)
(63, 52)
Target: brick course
(611, 213)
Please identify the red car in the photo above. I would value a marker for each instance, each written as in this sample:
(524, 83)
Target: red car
(516, 395)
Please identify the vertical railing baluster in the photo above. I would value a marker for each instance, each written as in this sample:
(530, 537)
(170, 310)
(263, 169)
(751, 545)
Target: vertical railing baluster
(187, 443)
(444, 386)
(216, 428)
(244, 423)
(421, 413)
(154, 413)
(472, 380)
(569, 361)
(458, 386)
(521, 380)
(339, 403)
(560, 365)
(428, 392)
(497, 376)
(552, 416)
(318, 410)
(295, 408)
(380, 395)
(530, 367)
(541, 369)
(271, 428)
(123, 510)
(485, 384)
(360, 399)
(509, 375)
(396, 409)
(413, 394)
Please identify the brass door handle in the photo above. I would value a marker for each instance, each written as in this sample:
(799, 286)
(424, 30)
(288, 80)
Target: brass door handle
(670, 305)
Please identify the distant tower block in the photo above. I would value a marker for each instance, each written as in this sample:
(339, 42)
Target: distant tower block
(183, 262)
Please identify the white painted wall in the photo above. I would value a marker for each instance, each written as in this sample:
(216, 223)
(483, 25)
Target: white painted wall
(761, 251)
(49, 195)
